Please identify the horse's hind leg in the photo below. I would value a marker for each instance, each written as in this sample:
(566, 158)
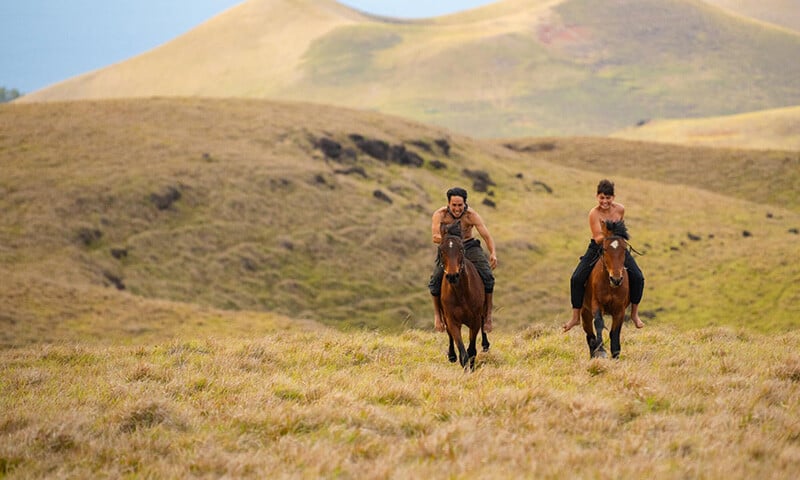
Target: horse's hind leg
(598, 351)
(484, 341)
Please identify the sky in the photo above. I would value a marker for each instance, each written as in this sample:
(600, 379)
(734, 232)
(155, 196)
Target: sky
(43, 42)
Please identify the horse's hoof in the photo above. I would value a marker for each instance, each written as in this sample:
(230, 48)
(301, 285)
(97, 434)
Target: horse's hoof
(469, 365)
(485, 349)
(615, 355)
(599, 354)
(452, 359)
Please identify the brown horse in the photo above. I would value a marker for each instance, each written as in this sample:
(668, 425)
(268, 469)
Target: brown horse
(607, 291)
(463, 298)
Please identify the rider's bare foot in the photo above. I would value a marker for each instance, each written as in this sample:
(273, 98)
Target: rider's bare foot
(487, 324)
(635, 316)
(438, 324)
(576, 319)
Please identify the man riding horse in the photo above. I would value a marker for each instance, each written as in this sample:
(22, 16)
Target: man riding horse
(457, 210)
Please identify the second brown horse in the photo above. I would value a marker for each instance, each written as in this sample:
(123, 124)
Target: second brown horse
(463, 298)
(607, 291)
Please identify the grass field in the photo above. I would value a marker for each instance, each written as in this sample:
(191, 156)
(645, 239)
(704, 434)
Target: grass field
(710, 403)
(194, 288)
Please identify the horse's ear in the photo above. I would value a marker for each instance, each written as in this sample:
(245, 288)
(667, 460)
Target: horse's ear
(443, 229)
(455, 229)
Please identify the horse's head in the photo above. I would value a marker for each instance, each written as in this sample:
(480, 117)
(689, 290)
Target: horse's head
(614, 246)
(451, 251)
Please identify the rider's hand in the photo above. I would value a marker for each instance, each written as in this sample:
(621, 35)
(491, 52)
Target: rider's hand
(493, 261)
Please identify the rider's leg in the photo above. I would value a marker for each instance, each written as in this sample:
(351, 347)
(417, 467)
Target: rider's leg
(435, 287)
(438, 323)
(636, 283)
(487, 323)
(635, 315)
(577, 284)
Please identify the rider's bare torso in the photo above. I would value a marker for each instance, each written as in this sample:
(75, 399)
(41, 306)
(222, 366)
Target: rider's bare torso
(606, 209)
(467, 221)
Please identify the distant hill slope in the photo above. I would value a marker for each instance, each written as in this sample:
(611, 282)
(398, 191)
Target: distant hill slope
(777, 129)
(321, 213)
(784, 13)
(511, 69)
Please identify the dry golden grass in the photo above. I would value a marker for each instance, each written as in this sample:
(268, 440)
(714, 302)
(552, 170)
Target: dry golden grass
(213, 361)
(710, 403)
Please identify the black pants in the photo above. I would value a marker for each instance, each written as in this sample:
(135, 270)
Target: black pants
(577, 284)
(476, 255)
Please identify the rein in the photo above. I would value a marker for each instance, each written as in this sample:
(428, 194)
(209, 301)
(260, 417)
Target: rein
(634, 250)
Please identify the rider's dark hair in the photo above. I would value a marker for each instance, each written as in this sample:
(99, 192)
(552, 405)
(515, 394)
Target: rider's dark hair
(606, 187)
(457, 192)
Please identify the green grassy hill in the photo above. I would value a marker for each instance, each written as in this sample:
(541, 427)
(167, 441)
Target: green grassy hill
(784, 13)
(158, 211)
(771, 129)
(511, 69)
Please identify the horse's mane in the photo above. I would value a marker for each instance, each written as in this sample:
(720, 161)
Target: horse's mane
(617, 229)
(454, 229)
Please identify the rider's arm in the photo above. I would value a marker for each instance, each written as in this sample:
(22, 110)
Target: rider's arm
(487, 237)
(436, 222)
(595, 226)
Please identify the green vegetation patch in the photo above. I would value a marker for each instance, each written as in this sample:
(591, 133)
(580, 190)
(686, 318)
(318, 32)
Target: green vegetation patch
(347, 54)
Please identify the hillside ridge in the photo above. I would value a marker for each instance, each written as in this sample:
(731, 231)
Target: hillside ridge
(565, 67)
(322, 213)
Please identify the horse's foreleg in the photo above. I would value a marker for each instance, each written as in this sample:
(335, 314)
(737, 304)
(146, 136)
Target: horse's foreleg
(614, 334)
(463, 356)
(586, 323)
(599, 325)
(472, 350)
(455, 337)
(451, 351)
(484, 341)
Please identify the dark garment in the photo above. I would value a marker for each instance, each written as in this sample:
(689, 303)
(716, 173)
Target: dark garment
(476, 255)
(635, 279)
(577, 284)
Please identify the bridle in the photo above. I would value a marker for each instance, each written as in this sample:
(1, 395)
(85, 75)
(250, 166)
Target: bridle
(615, 238)
(449, 238)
